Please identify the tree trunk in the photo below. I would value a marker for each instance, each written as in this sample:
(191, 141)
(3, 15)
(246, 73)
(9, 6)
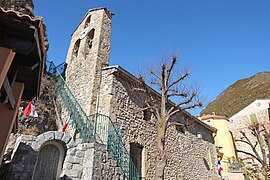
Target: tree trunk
(161, 158)
(160, 167)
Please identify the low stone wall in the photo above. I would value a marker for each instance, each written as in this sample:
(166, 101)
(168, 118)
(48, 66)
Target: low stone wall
(81, 160)
(90, 161)
(23, 160)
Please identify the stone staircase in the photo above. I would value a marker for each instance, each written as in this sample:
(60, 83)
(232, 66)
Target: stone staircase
(95, 128)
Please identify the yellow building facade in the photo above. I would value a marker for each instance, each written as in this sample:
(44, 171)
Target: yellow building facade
(223, 139)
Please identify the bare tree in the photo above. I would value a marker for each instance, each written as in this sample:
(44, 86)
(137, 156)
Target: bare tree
(169, 86)
(258, 138)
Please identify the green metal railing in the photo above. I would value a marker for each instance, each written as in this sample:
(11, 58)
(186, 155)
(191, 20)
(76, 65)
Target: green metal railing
(78, 117)
(112, 136)
(98, 127)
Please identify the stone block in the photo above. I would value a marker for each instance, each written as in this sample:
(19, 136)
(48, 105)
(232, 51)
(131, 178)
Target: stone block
(87, 173)
(34, 145)
(80, 154)
(74, 160)
(41, 139)
(71, 152)
(82, 147)
(58, 135)
(88, 162)
(73, 173)
(67, 166)
(77, 167)
(49, 135)
(90, 145)
(27, 138)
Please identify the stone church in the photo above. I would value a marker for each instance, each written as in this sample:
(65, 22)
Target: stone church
(108, 136)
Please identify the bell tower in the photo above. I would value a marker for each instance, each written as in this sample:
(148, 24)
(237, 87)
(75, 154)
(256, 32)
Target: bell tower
(88, 52)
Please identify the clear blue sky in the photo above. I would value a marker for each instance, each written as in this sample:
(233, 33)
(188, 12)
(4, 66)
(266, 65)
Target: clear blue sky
(221, 41)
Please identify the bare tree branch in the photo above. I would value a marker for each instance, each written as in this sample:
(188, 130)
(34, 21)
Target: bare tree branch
(178, 80)
(178, 94)
(257, 135)
(193, 95)
(156, 83)
(163, 76)
(266, 138)
(175, 123)
(243, 141)
(252, 155)
(173, 90)
(253, 147)
(177, 106)
(157, 76)
(171, 66)
(155, 109)
(199, 104)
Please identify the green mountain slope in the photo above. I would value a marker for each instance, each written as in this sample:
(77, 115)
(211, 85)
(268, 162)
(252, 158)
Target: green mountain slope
(240, 94)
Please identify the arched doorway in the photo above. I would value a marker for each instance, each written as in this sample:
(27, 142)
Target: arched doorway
(49, 162)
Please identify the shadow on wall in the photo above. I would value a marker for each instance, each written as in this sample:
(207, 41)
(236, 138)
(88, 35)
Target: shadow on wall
(22, 164)
(206, 164)
(65, 177)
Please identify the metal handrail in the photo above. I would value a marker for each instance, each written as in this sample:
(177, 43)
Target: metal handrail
(96, 127)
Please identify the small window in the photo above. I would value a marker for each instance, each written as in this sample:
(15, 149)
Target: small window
(180, 128)
(90, 38)
(76, 48)
(253, 118)
(147, 114)
(199, 135)
(87, 22)
(89, 42)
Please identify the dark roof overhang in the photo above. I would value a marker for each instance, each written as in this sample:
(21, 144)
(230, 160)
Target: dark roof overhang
(25, 36)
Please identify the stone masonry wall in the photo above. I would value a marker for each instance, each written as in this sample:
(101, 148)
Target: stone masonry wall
(82, 161)
(83, 72)
(190, 157)
(104, 166)
(90, 161)
(102, 59)
(23, 160)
